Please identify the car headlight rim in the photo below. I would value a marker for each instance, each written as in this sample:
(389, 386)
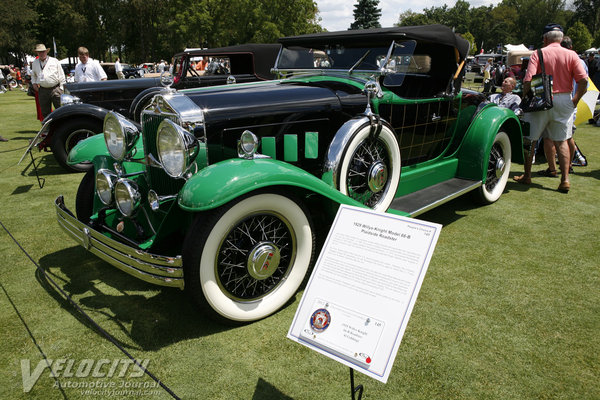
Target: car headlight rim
(247, 145)
(177, 148)
(105, 184)
(127, 197)
(120, 135)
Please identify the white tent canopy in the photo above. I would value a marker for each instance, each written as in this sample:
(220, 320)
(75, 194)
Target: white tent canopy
(515, 47)
(592, 50)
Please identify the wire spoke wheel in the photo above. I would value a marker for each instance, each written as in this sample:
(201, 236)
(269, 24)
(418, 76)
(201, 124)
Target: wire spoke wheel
(497, 170)
(246, 259)
(368, 172)
(255, 257)
(370, 168)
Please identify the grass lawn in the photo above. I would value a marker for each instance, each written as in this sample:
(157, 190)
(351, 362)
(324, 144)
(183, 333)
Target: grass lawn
(509, 309)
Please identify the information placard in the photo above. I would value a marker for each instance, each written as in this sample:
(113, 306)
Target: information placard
(363, 288)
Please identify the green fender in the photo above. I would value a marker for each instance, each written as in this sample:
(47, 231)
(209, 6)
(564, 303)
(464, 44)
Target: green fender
(475, 149)
(222, 182)
(88, 149)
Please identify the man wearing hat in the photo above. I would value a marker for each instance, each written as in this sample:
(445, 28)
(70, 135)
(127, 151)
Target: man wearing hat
(565, 67)
(47, 78)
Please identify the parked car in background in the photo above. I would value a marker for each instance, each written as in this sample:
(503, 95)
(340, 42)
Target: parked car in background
(131, 72)
(480, 60)
(227, 191)
(84, 105)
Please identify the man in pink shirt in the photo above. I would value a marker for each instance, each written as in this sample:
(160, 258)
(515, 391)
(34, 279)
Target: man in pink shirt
(565, 67)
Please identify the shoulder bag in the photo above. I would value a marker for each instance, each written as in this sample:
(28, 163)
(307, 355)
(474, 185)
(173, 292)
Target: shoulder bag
(540, 96)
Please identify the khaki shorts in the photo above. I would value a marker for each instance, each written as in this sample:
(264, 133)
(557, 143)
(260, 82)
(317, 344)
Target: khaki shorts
(557, 122)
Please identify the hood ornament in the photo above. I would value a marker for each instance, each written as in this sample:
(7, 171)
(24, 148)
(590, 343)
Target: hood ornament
(167, 79)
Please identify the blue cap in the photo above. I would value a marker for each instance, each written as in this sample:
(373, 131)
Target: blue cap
(552, 27)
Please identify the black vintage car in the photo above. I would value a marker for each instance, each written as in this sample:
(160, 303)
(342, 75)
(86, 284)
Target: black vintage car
(84, 105)
(131, 72)
(228, 191)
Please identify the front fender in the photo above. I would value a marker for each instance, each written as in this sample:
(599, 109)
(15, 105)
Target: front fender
(476, 146)
(88, 149)
(220, 183)
(74, 110)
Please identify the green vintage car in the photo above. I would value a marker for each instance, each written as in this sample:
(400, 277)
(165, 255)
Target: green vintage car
(226, 192)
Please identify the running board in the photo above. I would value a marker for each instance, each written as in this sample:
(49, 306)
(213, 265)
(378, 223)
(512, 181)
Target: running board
(426, 199)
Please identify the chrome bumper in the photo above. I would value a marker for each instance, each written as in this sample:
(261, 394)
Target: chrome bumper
(160, 270)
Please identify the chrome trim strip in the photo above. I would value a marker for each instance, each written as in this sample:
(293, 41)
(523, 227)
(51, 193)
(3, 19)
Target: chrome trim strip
(446, 199)
(152, 268)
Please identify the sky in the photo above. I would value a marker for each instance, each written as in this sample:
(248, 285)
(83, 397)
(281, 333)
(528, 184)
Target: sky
(337, 15)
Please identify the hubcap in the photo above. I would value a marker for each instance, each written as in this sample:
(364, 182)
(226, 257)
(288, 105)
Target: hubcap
(496, 166)
(500, 166)
(378, 176)
(263, 260)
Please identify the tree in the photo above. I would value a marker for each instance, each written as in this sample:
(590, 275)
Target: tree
(588, 12)
(366, 15)
(471, 39)
(581, 37)
(411, 18)
(17, 34)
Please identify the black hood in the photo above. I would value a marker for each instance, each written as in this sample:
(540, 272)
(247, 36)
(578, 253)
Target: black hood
(110, 85)
(266, 99)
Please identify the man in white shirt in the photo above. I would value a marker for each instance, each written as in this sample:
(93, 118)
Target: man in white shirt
(47, 78)
(119, 69)
(88, 70)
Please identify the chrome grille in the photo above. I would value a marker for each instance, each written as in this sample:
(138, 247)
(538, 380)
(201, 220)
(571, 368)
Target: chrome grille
(162, 183)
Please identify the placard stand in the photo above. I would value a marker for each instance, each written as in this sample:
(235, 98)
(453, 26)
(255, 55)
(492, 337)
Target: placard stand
(355, 389)
(41, 181)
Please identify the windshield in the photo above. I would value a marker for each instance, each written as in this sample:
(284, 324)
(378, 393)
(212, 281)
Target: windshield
(345, 57)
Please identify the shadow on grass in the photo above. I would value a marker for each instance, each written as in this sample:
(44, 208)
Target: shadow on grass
(22, 189)
(46, 166)
(449, 212)
(585, 172)
(154, 319)
(264, 390)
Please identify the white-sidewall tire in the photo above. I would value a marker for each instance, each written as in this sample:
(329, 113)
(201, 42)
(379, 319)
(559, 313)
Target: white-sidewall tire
(487, 195)
(388, 138)
(246, 311)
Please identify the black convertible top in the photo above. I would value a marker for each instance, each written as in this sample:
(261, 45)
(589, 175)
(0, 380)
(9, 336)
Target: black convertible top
(430, 33)
(264, 55)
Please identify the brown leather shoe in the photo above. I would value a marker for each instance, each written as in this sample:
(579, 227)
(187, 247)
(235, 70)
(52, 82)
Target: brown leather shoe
(564, 187)
(522, 179)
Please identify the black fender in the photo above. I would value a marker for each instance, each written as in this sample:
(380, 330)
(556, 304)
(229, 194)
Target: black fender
(69, 111)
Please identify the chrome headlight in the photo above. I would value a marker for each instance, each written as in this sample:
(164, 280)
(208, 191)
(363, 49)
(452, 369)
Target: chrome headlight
(120, 135)
(127, 196)
(247, 145)
(105, 183)
(177, 148)
(68, 99)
